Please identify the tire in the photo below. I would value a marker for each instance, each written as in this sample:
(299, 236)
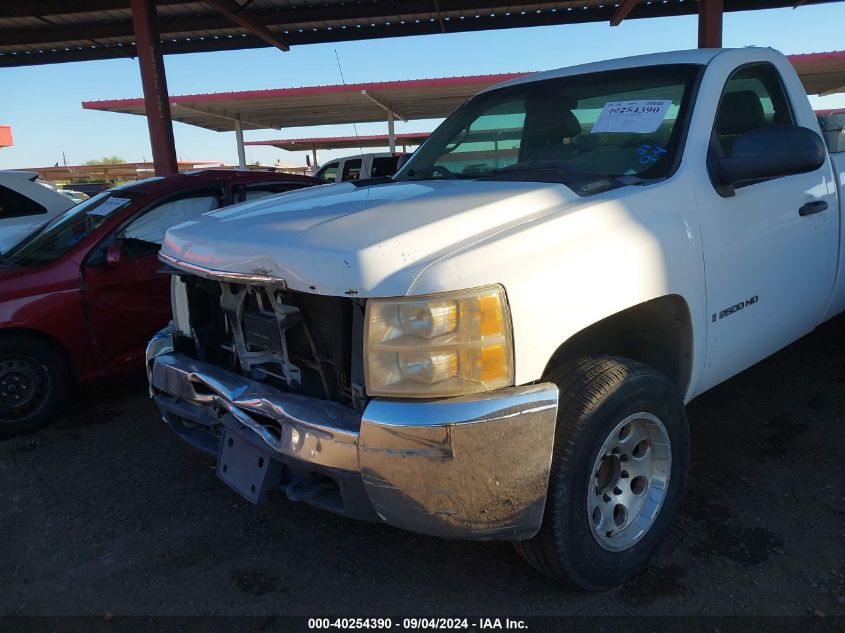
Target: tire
(34, 381)
(607, 403)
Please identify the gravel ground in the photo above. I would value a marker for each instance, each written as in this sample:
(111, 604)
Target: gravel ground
(107, 512)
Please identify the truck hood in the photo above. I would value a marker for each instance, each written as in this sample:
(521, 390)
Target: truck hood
(359, 241)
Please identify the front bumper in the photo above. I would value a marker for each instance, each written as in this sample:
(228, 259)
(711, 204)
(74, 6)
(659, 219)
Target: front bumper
(473, 467)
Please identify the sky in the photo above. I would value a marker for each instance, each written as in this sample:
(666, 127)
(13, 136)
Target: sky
(43, 103)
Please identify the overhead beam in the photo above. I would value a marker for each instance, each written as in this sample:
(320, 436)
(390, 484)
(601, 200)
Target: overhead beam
(231, 120)
(236, 14)
(154, 82)
(249, 121)
(710, 17)
(383, 105)
(623, 11)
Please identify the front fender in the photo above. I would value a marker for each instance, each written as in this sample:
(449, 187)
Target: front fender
(568, 270)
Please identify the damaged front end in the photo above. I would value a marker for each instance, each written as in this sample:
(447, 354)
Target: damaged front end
(270, 382)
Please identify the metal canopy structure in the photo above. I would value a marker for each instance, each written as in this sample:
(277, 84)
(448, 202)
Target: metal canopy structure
(346, 142)
(342, 142)
(317, 105)
(821, 73)
(51, 31)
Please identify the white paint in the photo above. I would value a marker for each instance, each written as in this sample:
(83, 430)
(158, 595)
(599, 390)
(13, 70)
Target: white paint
(13, 228)
(568, 262)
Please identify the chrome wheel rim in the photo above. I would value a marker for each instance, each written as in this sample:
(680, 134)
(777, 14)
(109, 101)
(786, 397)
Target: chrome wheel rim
(628, 481)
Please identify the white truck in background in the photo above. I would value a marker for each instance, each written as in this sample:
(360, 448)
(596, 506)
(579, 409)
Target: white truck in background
(360, 167)
(498, 343)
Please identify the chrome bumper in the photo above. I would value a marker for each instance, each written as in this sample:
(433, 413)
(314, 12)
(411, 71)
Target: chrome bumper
(474, 467)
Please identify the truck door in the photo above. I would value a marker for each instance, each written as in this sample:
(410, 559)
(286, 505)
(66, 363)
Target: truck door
(352, 168)
(770, 267)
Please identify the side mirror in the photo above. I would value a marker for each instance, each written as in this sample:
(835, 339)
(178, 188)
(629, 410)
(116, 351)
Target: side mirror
(114, 253)
(771, 152)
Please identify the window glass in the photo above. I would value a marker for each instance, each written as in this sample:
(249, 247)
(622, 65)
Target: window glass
(384, 166)
(753, 98)
(329, 172)
(64, 231)
(609, 124)
(254, 192)
(351, 170)
(15, 205)
(152, 226)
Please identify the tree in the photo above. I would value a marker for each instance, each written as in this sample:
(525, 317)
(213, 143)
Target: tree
(106, 160)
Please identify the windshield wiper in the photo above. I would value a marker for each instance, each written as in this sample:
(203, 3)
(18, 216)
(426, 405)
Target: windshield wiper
(434, 169)
(559, 169)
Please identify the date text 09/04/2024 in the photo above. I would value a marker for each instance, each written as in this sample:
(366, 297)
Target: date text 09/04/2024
(416, 624)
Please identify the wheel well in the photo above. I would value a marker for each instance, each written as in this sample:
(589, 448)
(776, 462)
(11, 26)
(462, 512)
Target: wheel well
(657, 332)
(19, 331)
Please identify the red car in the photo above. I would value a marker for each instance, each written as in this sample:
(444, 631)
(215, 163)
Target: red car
(80, 298)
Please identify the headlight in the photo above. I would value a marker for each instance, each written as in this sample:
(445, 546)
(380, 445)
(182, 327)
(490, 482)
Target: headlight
(438, 345)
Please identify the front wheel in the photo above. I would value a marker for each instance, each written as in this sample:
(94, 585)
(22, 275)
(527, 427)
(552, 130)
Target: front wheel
(618, 472)
(34, 380)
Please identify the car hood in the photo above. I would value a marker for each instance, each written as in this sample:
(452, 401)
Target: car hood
(359, 241)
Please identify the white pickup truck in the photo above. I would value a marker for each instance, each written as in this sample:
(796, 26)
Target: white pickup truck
(498, 342)
(360, 167)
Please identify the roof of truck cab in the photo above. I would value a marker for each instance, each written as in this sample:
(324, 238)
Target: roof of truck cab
(700, 56)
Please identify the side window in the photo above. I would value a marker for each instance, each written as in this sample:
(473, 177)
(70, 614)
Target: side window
(151, 226)
(328, 173)
(351, 170)
(753, 98)
(384, 166)
(14, 204)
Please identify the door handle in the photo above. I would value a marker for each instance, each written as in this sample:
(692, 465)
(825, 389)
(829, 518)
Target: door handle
(816, 206)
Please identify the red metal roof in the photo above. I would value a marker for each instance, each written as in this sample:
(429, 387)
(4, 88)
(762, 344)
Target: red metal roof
(821, 73)
(318, 105)
(343, 142)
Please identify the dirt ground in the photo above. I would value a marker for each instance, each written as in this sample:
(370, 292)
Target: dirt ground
(107, 511)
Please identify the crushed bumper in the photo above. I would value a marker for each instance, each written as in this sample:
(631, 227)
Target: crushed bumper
(474, 467)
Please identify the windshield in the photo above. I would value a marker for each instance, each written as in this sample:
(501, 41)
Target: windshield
(611, 124)
(66, 230)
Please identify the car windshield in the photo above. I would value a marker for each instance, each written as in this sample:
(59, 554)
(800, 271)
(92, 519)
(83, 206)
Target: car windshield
(624, 124)
(60, 235)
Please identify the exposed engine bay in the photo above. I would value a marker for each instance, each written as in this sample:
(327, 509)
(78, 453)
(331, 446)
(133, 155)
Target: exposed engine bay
(297, 342)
